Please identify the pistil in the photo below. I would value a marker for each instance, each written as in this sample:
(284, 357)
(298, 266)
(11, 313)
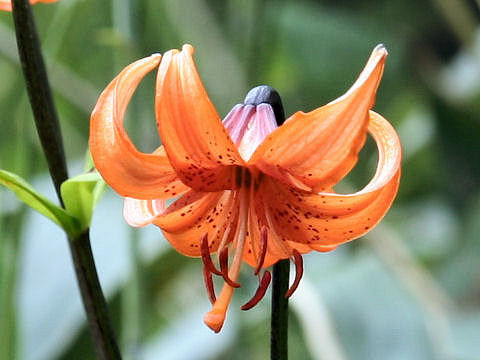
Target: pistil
(215, 318)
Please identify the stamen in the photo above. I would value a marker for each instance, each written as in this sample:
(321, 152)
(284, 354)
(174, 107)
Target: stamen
(260, 293)
(207, 278)
(224, 268)
(216, 316)
(232, 201)
(263, 249)
(280, 245)
(207, 260)
(298, 261)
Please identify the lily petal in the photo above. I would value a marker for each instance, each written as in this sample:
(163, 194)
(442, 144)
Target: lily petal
(196, 142)
(195, 214)
(318, 148)
(325, 220)
(128, 171)
(140, 213)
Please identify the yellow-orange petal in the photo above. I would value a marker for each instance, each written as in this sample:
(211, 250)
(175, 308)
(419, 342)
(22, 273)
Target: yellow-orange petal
(195, 214)
(128, 171)
(318, 148)
(325, 220)
(196, 142)
(6, 5)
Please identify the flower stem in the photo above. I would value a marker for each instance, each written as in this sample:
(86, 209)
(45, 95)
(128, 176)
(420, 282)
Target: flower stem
(93, 300)
(279, 321)
(48, 129)
(39, 92)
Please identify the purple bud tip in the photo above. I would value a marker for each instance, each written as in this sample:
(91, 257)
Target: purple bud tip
(265, 94)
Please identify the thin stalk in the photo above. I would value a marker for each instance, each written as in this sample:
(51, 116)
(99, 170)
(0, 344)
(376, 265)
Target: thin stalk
(93, 300)
(279, 321)
(48, 129)
(39, 92)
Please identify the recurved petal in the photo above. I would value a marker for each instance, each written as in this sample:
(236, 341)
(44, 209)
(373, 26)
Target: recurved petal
(140, 213)
(196, 142)
(195, 214)
(325, 220)
(128, 171)
(316, 149)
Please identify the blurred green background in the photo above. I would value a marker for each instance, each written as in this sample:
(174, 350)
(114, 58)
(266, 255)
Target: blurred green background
(408, 290)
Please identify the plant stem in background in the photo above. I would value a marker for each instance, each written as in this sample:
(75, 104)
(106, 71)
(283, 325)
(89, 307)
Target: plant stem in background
(48, 129)
(39, 92)
(279, 321)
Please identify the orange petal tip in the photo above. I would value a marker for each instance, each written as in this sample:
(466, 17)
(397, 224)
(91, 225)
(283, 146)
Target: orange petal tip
(380, 52)
(214, 320)
(381, 48)
(188, 48)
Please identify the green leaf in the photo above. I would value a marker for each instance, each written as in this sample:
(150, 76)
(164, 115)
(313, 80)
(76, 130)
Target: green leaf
(80, 195)
(27, 194)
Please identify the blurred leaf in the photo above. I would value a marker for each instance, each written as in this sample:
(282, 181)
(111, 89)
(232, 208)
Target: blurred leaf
(80, 195)
(88, 162)
(51, 314)
(26, 193)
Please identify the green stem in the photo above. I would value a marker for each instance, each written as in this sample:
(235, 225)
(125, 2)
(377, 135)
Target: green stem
(39, 92)
(279, 321)
(93, 299)
(48, 129)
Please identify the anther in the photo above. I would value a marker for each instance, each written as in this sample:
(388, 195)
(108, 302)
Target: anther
(263, 249)
(298, 261)
(223, 259)
(207, 278)
(205, 252)
(260, 293)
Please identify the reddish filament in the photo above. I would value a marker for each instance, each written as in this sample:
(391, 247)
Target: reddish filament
(263, 249)
(207, 260)
(298, 261)
(224, 268)
(260, 293)
(207, 277)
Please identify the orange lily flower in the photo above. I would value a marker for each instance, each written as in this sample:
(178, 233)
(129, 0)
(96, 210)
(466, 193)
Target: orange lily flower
(6, 5)
(246, 186)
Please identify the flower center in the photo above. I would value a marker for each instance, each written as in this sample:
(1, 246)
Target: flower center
(249, 125)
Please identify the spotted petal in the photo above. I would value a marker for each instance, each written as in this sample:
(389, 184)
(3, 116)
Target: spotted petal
(196, 142)
(327, 219)
(195, 214)
(316, 149)
(128, 171)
